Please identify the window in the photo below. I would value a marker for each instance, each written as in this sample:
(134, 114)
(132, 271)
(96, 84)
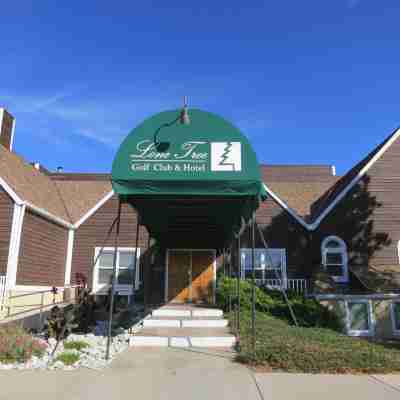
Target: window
(395, 316)
(102, 276)
(269, 265)
(359, 318)
(334, 258)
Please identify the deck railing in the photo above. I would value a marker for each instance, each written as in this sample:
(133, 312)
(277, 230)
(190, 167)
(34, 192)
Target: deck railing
(297, 285)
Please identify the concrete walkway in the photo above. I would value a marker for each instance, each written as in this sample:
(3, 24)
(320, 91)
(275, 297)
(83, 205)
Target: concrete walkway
(168, 373)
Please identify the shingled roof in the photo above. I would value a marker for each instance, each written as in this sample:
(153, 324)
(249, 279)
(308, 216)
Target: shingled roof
(68, 200)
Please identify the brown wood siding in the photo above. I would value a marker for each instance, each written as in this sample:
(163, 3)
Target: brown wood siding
(6, 129)
(93, 232)
(42, 252)
(6, 216)
(281, 230)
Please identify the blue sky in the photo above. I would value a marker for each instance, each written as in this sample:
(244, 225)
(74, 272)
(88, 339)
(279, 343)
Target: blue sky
(312, 81)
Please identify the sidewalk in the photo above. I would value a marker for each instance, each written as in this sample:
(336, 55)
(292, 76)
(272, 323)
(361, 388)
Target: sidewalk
(168, 373)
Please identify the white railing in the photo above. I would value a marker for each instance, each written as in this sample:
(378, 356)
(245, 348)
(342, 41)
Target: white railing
(3, 290)
(297, 285)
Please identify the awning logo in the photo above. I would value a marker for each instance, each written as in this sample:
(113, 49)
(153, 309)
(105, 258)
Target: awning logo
(226, 156)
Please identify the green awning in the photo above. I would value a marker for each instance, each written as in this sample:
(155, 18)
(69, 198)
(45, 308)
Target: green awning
(203, 163)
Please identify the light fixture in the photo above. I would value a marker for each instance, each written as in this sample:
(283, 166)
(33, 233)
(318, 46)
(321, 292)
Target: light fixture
(184, 117)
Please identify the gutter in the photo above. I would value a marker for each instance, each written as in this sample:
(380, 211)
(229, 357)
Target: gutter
(48, 215)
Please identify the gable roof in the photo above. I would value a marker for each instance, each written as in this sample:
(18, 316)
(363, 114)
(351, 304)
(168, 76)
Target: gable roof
(339, 190)
(300, 196)
(63, 199)
(323, 204)
(30, 185)
(81, 196)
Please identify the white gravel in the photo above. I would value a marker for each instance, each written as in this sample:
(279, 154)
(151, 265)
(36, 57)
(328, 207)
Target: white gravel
(92, 357)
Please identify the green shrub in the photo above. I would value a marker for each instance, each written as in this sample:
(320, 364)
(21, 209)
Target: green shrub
(67, 358)
(16, 345)
(308, 312)
(228, 286)
(75, 345)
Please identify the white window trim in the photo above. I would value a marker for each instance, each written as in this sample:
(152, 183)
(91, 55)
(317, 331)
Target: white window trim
(398, 251)
(340, 250)
(371, 319)
(102, 288)
(280, 251)
(396, 332)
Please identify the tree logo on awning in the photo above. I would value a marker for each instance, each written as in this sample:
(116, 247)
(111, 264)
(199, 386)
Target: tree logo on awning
(226, 156)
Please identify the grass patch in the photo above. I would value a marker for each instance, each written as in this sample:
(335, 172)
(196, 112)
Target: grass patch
(75, 345)
(68, 358)
(16, 345)
(280, 346)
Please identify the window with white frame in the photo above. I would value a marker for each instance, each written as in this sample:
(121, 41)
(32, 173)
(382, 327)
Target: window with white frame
(334, 258)
(395, 316)
(125, 263)
(359, 318)
(269, 266)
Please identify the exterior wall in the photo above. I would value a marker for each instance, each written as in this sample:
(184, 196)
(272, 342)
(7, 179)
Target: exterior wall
(93, 232)
(281, 230)
(42, 253)
(6, 216)
(6, 128)
(368, 218)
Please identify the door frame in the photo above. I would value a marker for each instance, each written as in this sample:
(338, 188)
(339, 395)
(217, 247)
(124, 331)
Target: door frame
(214, 253)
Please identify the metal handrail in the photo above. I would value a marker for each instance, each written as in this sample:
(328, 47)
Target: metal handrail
(40, 306)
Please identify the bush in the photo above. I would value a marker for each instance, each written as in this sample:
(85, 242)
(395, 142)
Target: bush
(16, 345)
(308, 312)
(75, 345)
(228, 286)
(68, 358)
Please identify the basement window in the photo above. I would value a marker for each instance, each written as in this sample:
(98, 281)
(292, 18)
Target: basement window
(334, 258)
(359, 318)
(269, 266)
(395, 316)
(125, 262)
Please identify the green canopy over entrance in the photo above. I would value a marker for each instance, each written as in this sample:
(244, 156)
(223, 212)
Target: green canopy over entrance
(194, 183)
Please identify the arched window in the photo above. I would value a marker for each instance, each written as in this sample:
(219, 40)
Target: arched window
(334, 258)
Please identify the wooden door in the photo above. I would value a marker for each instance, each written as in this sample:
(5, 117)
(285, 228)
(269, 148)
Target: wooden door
(179, 263)
(202, 276)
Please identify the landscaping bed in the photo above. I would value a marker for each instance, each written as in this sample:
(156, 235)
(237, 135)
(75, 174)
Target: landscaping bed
(25, 351)
(317, 345)
(284, 347)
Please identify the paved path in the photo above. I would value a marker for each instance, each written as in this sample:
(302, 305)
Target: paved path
(167, 373)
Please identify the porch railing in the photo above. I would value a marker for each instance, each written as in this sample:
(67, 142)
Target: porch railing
(3, 291)
(297, 285)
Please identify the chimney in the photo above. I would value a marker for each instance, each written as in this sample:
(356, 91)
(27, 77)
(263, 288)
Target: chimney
(7, 127)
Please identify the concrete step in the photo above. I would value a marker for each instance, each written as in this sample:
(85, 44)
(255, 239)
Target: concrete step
(184, 322)
(183, 337)
(187, 312)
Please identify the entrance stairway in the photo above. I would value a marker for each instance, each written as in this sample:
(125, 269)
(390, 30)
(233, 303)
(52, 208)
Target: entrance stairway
(184, 326)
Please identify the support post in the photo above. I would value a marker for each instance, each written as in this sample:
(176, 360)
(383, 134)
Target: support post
(230, 276)
(110, 315)
(239, 273)
(135, 263)
(253, 291)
